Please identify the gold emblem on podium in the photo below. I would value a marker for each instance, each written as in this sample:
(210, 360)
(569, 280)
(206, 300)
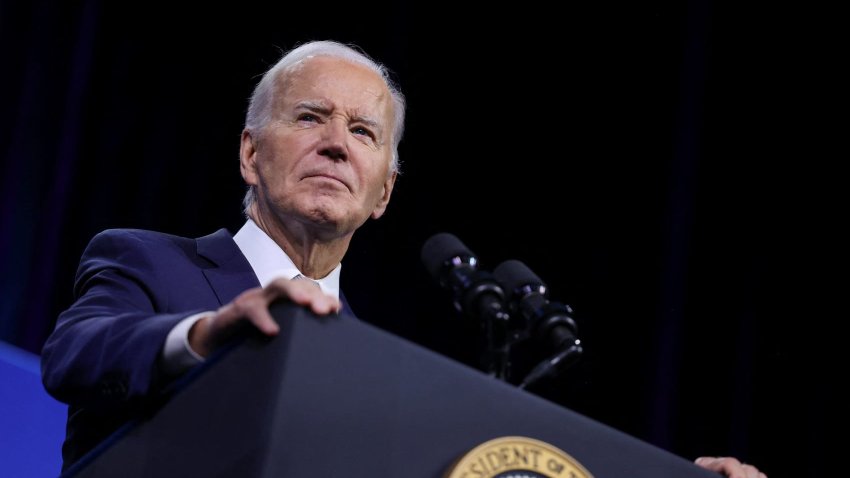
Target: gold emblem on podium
(517, 457)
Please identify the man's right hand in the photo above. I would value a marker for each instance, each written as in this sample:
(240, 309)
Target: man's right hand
(252, 306)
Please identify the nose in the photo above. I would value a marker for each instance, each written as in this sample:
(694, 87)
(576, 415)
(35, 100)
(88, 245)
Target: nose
(333, 142)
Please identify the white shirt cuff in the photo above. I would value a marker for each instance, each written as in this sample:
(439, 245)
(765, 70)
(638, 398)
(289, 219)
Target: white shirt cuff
(177, 355)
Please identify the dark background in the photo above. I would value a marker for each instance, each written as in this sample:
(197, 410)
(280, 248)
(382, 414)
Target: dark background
(659, 164)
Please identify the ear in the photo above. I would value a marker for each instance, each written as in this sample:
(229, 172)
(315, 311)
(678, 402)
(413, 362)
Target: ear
(385, 197)
(248, 158)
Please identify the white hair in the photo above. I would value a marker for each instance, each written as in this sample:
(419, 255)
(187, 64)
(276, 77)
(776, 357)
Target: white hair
(260, 107)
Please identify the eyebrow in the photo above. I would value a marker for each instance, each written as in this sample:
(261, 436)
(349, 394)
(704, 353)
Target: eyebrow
(317, 106)
(324, 108)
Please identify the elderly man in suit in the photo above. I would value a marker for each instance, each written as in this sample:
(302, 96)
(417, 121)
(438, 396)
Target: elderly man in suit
(319, 154)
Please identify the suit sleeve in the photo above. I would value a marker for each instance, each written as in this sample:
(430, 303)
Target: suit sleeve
(105, 348)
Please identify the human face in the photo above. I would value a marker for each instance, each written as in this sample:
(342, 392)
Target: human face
(323, 160)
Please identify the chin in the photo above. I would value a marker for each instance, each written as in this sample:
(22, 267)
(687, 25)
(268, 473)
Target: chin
(326, 219)
(332, 215)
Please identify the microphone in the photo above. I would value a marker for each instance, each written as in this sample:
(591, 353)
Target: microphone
(475, 292)
(455, 267)
(551, 323)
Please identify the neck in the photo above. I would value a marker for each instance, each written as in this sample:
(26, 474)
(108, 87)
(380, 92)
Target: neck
(313, 253)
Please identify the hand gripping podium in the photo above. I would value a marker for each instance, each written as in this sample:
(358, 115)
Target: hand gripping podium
(336, 397)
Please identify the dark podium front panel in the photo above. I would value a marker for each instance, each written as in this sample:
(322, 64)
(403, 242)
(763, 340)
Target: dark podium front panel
(336, 397)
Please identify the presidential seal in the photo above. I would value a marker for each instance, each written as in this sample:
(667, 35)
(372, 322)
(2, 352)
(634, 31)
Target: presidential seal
(517, 457)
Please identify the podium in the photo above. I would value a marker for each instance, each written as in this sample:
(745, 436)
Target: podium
(337, 397)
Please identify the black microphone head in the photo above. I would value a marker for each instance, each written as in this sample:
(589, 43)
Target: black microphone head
(442, 247)
(518, 279)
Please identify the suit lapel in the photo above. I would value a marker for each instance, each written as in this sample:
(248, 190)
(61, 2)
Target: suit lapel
(233, 274)
(346, 308)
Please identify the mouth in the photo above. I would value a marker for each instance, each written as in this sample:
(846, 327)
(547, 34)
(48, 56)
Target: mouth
(328, 176)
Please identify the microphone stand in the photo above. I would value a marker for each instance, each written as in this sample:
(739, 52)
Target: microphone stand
(498, 346)
(554, 364)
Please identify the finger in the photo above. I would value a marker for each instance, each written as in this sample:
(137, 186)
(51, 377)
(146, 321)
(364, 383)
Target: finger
(303, 293)
(296, 291)
(263, 321)
(710, 462)
(751, 471)
(325, 305)
(728, 466)
(250, 306)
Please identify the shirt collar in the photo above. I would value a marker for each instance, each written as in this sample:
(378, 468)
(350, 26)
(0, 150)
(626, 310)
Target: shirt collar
(269, 262)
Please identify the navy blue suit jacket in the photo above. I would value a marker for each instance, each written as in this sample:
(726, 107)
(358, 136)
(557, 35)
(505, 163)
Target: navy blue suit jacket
(131, 289)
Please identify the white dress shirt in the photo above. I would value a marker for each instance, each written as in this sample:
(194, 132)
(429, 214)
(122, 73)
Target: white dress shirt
(269, 262)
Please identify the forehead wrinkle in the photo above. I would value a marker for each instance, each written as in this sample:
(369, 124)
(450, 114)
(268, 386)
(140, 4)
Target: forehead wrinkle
(320, 106)
(365, 119)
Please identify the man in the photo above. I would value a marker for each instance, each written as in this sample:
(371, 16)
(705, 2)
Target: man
(319, 154)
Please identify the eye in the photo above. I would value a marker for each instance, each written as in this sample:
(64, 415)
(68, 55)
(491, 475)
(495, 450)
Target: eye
(309, 117)
(359, 130)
